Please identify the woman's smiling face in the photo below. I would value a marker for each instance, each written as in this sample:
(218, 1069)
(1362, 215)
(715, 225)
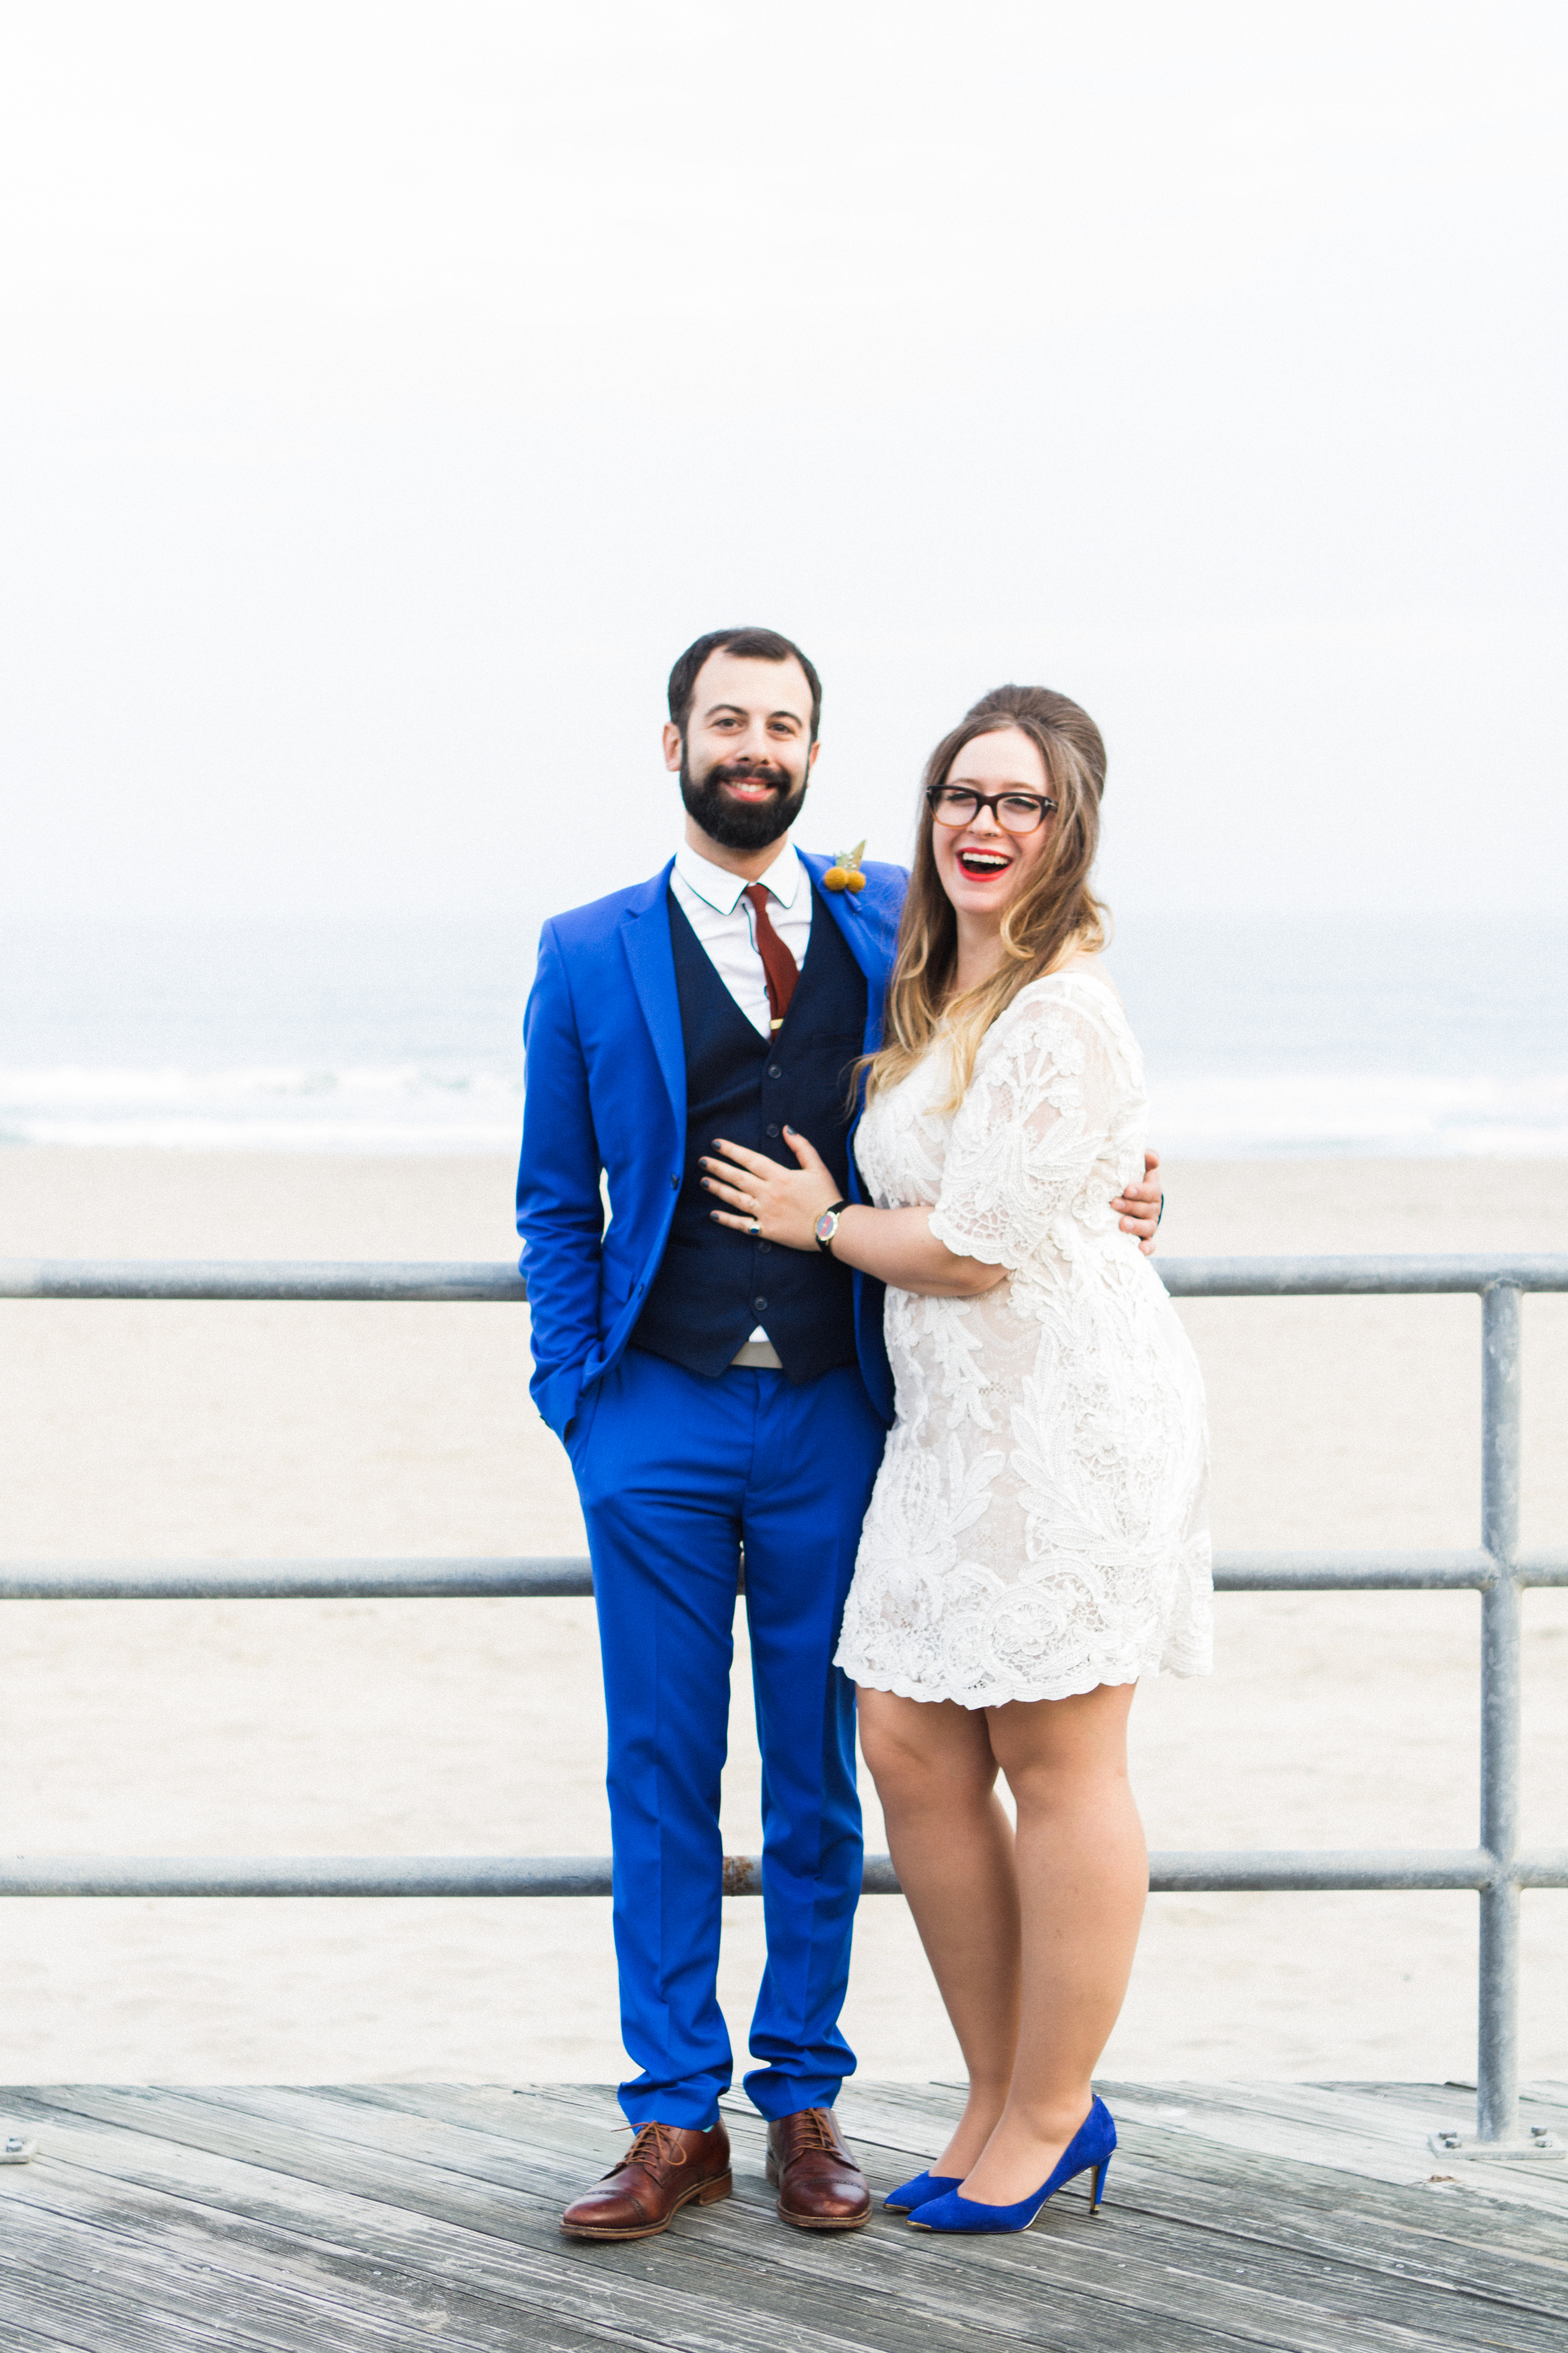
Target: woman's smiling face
(980, 866)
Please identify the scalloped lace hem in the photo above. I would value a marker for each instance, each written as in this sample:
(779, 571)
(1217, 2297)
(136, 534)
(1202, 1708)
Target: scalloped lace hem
(1070, 1686)
(990, 1253)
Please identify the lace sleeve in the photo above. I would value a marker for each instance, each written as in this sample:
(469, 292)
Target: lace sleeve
(1037, 1116)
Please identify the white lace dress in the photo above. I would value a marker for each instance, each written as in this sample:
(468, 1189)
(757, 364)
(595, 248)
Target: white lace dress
(1039, 1525)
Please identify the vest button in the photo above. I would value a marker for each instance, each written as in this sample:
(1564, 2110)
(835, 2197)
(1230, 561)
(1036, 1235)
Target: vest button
(773, 1127)
(775, 1070)
(759, 1302)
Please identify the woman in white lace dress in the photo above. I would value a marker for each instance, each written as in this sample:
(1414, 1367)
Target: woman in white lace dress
(1038, 1538)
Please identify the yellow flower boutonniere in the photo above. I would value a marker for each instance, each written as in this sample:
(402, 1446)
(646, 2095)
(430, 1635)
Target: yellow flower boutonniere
(844, 874)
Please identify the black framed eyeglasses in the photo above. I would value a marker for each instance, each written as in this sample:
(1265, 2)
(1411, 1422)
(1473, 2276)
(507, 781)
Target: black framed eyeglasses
(957, 804)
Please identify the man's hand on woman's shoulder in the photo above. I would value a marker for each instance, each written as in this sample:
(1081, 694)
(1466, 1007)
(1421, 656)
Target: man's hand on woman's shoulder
(1141, 1207)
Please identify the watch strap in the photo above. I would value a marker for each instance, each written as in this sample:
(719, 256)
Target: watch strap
(832, 1210)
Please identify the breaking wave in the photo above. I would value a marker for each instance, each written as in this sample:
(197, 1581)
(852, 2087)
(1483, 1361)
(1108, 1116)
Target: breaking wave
(419, 1108)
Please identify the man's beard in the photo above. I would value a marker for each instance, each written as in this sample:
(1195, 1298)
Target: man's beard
(740, 825)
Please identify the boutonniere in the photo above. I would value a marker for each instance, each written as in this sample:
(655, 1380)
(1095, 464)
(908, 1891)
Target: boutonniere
(844, 874)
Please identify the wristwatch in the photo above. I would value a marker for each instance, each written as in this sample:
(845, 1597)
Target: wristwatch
(828, 1226)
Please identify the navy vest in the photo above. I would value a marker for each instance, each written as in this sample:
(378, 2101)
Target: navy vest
(714, 1286)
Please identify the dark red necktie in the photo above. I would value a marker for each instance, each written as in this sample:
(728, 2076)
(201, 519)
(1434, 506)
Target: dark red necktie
(778, 964)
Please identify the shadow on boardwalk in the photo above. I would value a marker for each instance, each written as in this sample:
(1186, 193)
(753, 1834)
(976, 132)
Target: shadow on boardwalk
(365, 2218)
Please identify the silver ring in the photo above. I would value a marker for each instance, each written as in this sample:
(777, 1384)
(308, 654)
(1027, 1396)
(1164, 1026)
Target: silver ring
(754, 1229)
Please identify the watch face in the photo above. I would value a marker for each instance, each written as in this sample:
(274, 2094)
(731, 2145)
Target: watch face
(828, 1225)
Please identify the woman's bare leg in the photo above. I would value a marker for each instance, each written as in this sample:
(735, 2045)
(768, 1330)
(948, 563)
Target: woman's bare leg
(1083, 1876)
(951, 1845)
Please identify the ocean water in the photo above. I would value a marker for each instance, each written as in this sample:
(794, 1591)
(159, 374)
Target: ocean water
(1261, 1038)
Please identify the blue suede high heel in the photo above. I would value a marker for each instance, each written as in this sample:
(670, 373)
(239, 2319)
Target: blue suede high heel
(1088, 2151)
(920, 2192)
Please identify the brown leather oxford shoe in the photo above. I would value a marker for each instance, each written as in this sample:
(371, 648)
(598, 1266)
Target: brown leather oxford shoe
(820, 2185)
(664, 2169)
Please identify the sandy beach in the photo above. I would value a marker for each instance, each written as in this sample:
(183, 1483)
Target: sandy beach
(471, 1726)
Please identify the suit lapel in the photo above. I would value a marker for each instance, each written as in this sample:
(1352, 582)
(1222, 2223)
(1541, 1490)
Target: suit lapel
(845, 909)
(645, 935)
(872, 940)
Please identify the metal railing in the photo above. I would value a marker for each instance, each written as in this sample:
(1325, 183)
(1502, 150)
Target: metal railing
(1497, 1869)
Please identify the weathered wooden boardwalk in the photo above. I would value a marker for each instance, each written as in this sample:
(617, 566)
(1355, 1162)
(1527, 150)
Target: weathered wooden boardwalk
(365, 2218)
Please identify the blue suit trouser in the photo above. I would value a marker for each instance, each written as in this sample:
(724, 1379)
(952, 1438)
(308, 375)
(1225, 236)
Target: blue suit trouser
(676, 1473)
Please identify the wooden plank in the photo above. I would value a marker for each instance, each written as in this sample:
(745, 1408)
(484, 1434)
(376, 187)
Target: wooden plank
(446, 2193)
(1312, 2309)
(380, 2236)
(167, 2296)
(883, 2328)
(287, 2159)
(1349, 2230)
(1300, 2120)
(1199, 2159)
(21, 2337)
(1396, 2283)
(547, 2158)
(1402, 2113)
(1346, 2133)
(523, 2116)
(340, 2144)
(1203, 2177)
(361, 2286)
(644, 2291)
(1366, 2238)
(1538, 2104)
(1278, 2207)
(1327, 2271)
(173, 2282)
(877, 2326)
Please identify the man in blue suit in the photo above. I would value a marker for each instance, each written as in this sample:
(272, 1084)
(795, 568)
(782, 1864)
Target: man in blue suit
(715, 1394)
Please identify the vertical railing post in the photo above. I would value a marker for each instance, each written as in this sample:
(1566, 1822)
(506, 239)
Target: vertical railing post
(1496, 2051)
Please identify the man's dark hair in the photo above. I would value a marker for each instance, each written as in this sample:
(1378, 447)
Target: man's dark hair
(751, 645)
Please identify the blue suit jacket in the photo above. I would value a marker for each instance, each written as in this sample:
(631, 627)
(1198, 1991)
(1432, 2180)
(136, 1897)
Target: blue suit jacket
(606, 1100)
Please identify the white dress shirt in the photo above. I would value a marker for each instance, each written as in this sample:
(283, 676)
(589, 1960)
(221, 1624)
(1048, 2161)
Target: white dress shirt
(712, 900)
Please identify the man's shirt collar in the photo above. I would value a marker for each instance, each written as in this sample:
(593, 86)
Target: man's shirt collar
(721, 890)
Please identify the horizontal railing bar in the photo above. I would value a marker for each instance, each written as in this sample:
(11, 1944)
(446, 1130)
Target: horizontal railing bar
(1542, 1568)
(569, 1577)
(1355, 1869)
(1194, 1874)
(1350, 1572)
(393, 1280)
(1321, 1278)
(1545, 1868)
(1379, 1572)
(313, 1875)
(286, 1279)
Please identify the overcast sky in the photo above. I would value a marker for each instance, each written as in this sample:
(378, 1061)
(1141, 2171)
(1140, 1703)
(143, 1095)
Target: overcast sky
(391, 390)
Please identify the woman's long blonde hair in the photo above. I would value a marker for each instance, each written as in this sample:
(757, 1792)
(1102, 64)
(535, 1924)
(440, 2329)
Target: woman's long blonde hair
(1056, 914)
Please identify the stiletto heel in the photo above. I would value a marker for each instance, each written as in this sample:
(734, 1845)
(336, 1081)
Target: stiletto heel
(1088, 2151)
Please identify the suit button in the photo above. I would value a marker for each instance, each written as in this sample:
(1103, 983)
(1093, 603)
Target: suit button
(765, 1245)
(775, 1071)
(675, 1184)
(773, 1127)
(759, 1304)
